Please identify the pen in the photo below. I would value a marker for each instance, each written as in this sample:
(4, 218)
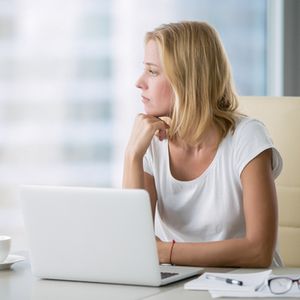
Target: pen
(227, 280)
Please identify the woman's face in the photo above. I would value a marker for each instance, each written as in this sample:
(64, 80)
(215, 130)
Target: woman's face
(157, 94)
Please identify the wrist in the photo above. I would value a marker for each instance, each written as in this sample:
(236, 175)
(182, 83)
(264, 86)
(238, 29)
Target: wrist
(166, 252)
(171, 252)
(133, 155)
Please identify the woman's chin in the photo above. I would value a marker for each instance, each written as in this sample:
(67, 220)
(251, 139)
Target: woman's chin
(155, 113)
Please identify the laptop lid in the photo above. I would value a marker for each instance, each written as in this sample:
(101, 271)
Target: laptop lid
(91, 234)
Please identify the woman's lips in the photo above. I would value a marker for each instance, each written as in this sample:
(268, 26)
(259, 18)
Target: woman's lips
(145, 100)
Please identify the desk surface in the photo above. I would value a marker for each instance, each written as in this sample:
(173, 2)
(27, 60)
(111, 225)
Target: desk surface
(19, 284)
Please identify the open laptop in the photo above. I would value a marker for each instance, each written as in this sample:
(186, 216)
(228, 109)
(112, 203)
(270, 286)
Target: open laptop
(94, 234)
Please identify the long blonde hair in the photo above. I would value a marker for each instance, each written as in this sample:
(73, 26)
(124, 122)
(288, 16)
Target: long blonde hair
(197, 67)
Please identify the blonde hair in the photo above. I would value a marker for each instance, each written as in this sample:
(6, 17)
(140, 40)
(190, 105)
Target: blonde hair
(197, 67)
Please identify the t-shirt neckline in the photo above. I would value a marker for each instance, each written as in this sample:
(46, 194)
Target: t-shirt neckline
(202, 175)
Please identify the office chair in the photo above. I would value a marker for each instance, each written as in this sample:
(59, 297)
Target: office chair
(281, 115)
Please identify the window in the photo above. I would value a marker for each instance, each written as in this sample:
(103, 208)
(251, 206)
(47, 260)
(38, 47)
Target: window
(67, 74)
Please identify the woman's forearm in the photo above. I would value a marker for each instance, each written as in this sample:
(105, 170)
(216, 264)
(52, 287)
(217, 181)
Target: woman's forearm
(133, 173)
(228, 253)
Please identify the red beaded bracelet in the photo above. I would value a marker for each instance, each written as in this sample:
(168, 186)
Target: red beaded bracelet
(171, 251)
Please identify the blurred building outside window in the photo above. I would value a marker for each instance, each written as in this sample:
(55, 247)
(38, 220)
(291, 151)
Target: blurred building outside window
(67, 84)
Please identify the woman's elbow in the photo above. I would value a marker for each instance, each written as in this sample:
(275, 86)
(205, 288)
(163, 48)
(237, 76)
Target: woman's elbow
(264, 261)
(261, 255)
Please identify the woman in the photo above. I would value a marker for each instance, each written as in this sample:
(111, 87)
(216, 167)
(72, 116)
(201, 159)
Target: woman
(208, 169)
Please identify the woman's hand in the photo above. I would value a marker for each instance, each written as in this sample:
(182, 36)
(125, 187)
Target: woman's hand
(144, 128)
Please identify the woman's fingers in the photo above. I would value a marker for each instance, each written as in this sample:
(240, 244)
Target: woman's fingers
(161, 134)
(145, 127)
(150, 125)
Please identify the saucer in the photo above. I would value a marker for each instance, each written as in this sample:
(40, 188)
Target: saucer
(10, 260)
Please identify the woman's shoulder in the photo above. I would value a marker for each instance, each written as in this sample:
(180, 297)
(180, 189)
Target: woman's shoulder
(250, 138)
(245, 124)
(247, 130)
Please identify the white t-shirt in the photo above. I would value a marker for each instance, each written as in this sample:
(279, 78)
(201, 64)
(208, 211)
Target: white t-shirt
(210, 207)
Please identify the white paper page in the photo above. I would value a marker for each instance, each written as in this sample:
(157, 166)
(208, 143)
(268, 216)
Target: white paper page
(250, 281)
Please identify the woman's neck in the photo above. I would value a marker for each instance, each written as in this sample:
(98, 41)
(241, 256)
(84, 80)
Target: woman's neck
(210, 139)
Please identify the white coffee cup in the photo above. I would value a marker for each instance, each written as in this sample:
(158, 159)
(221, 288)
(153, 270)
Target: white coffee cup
(5, 242)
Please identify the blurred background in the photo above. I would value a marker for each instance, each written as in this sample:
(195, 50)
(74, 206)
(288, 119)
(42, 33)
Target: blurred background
(67, 81)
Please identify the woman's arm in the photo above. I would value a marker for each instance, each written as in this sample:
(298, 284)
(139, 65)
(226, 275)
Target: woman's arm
(150, 187)
(145, 126)
(260, 209)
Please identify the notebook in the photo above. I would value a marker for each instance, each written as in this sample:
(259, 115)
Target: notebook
(94, 234)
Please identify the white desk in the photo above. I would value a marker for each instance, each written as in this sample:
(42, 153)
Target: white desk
(19, 284)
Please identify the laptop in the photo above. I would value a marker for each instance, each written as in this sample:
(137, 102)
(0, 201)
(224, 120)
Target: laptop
(94, 234)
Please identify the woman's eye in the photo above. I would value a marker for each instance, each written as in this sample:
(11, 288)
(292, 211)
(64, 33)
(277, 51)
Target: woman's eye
(152, 72)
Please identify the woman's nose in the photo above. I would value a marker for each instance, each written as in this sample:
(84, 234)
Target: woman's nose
(140, 83)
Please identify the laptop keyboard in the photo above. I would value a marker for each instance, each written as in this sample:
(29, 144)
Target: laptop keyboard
(167, 274)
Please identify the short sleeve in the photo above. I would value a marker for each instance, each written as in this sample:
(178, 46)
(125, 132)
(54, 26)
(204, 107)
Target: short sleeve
(250, 139)
(148, 162)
